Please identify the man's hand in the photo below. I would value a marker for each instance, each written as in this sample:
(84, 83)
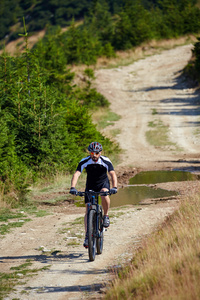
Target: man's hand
(73, 191)
(113, 190)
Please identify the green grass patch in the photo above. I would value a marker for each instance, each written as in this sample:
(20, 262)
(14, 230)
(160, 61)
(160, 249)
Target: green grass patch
(78, 221)
(79, 202)
(158, 136)
(115, 132)
(6, 214)
(22, 267)
(105, 117)
(8, 281)
(109, 119)
(73, 243)
(55, 190)
(32, 210)
(154, 111)
(6, 228)
(12, 219)
(116, 214)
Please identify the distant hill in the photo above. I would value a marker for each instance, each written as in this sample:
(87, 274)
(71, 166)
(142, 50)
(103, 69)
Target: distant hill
(106, 25)
(39, 14)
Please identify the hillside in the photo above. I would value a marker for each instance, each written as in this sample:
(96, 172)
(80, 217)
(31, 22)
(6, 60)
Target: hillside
(135, 91)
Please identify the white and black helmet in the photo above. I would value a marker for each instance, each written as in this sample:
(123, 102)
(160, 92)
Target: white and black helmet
(95, 147)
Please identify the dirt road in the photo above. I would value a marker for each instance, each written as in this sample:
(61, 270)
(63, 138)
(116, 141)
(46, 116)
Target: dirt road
(154, 84)
(136, 91)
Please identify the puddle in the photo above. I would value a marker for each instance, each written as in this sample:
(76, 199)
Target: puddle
(151, 177)
(134, 194)
(138, 192)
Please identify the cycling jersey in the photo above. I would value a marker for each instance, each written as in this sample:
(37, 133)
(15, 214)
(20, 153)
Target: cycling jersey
(97, 177)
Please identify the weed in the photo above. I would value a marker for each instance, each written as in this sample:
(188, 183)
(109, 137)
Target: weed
(158, 136)
(78, 221)
(104, 118)
(63, 230)
(116, 214)
(154, 111)
(73, 243)
(115, 132)
(167, 266)
(9, 280)
(11, 219)
(6, 214)
(6, 228)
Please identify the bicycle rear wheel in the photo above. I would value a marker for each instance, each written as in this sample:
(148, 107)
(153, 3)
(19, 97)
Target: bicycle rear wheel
(92, 235)
(100, 231)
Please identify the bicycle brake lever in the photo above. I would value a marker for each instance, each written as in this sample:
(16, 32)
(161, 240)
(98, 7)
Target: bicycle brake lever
(81, 194)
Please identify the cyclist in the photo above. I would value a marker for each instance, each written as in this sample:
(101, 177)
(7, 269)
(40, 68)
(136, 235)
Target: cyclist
(97, 166)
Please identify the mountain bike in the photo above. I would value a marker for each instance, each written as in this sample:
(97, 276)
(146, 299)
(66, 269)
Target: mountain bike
(94, 223)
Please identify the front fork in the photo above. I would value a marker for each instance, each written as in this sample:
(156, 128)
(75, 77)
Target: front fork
(88, 210)
(97, 209)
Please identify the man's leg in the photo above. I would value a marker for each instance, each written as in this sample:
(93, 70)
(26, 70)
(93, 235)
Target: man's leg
(106, 206)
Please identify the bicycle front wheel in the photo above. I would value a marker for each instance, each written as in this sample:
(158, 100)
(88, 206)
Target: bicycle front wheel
(100, 232)
(92, 235)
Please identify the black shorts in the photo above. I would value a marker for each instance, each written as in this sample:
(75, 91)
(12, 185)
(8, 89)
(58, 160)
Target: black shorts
(106, 185)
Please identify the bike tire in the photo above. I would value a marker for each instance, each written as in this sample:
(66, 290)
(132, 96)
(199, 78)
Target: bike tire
(100, 229)
(92, 235)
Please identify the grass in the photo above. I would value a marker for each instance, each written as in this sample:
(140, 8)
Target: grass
(6, 214)
(124, 58)
(158, 135)
(8, 281)
(10, 219)
(6, 228)
(78, 221)
(73, 231)
(54, 190)
(168, 264)
(104, 117)
(33, 210)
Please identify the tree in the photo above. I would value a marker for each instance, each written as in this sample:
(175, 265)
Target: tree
(123, 32)
(100, 22)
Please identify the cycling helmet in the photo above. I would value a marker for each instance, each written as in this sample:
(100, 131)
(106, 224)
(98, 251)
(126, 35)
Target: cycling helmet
(95, 147)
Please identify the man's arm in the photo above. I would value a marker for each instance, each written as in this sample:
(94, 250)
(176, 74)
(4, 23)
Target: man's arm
(75, 179)
(113, 178)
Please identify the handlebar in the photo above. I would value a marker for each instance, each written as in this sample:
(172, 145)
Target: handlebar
(81, 194)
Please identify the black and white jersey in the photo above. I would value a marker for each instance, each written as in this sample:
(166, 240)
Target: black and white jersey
(97, 177)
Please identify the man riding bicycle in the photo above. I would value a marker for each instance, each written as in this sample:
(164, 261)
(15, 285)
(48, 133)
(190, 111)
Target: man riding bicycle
(97, 166)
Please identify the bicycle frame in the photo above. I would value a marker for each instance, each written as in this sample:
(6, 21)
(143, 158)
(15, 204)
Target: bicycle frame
(94, 223)
(94, 204)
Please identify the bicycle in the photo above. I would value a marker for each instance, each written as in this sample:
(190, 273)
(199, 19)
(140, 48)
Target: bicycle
(94, 223)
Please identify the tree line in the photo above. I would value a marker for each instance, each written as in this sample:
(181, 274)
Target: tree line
(102, 33)
(193, 67)
(135, 20)
(45, 122)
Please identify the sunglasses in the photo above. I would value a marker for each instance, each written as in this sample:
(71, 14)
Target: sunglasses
(94, 153)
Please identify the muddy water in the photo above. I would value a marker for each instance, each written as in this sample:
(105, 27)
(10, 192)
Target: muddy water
(151, 177)
(135, 192)
(138, 189)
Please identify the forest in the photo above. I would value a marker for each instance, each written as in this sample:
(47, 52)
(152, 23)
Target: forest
(45, 118)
